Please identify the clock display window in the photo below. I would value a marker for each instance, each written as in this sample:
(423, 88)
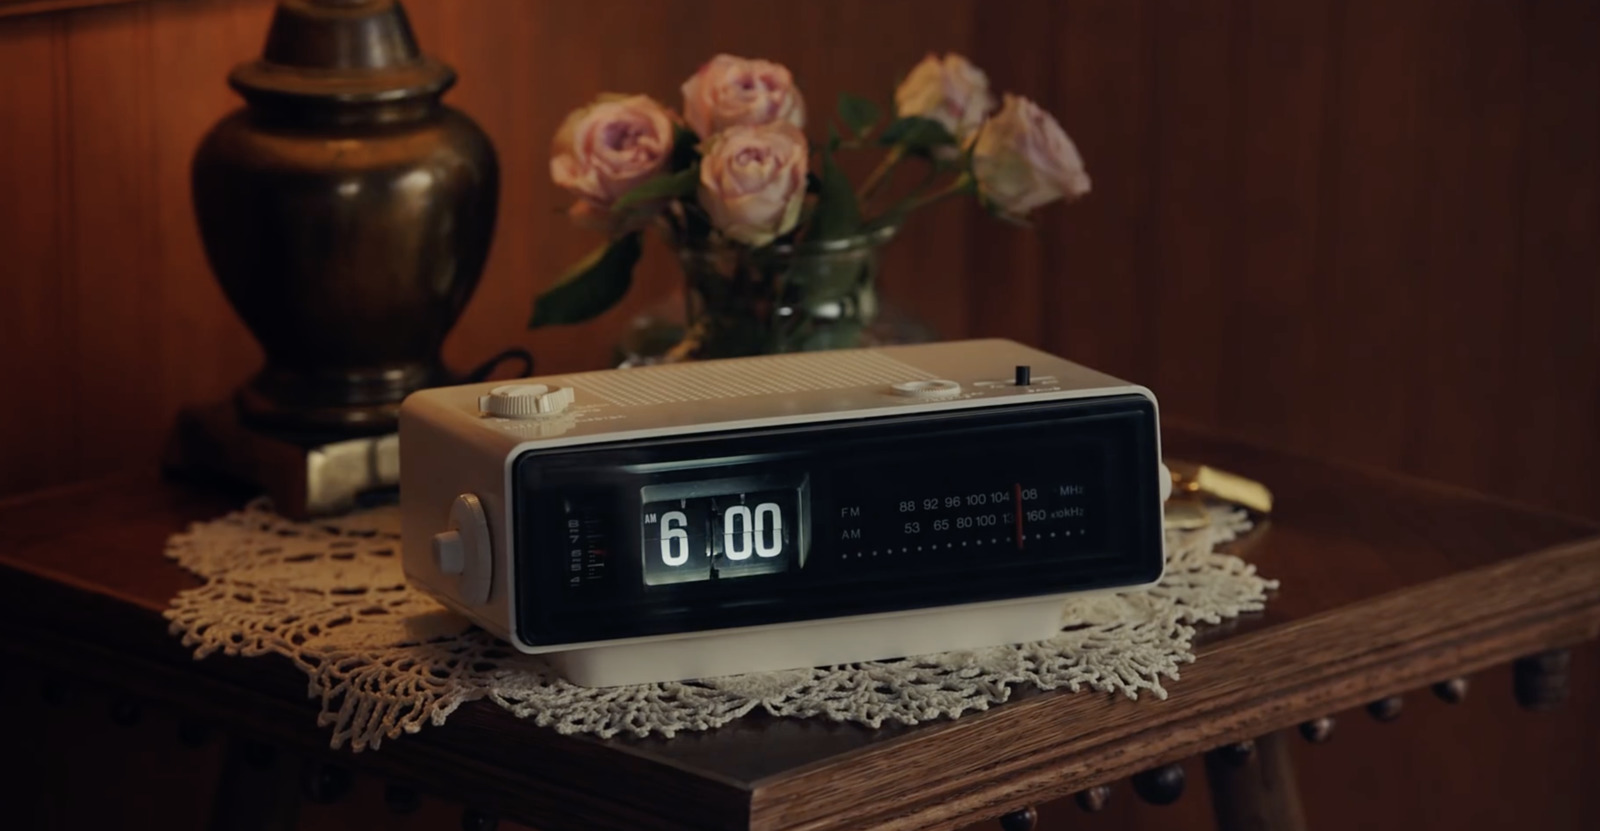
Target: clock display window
(720, 529)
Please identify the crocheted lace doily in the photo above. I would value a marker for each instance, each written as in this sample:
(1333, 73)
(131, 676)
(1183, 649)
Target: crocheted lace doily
(384, 659)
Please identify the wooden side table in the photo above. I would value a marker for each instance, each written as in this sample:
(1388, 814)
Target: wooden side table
(1389, 586)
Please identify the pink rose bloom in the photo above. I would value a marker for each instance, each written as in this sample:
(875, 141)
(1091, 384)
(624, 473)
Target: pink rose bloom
(949, 90)
(1023, 159)
(753, 181)
(729, 90)
(608, 148)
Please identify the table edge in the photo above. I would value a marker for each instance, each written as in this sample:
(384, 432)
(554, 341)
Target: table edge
(1563, 612)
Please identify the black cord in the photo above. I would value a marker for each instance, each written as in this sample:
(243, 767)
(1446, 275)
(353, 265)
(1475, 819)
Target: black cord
(487, 368)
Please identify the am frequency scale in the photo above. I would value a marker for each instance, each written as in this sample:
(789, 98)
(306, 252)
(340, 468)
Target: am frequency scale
(703, 519)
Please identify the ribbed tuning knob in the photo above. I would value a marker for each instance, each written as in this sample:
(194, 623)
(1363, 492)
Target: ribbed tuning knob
(524, 401)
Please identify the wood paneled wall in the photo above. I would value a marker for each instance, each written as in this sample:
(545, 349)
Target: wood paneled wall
(1366, 229)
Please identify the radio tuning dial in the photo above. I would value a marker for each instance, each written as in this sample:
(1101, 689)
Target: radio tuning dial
(524, 401)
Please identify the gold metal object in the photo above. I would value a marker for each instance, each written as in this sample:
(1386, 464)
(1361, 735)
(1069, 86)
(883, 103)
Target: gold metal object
(1201, 481)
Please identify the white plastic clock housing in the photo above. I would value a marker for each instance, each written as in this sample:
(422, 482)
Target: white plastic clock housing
(456, 486)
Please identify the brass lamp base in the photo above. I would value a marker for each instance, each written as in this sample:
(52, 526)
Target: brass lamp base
(304, 474)
(334, 402)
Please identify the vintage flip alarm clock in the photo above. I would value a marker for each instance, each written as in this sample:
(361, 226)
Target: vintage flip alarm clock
(703, 519)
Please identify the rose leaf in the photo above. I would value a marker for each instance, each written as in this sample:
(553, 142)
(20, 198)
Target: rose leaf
(593, 285)
(917, 134)
(665, 186)
(857, 113)
(837, 215)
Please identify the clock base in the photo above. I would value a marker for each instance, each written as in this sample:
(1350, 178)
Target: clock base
(814, 643)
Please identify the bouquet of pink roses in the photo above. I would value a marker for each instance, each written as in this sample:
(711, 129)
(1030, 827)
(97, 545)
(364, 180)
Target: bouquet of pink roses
(735, 173)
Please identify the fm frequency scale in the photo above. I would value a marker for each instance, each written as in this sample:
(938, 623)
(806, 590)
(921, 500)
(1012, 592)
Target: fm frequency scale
(704, 519)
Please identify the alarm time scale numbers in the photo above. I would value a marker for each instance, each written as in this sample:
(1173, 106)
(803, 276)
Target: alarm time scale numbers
(587, 551)
(1015, 518)
(726, 536)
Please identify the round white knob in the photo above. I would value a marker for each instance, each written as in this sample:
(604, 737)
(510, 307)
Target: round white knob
(524, 401)
(927, 389)
(465, 550)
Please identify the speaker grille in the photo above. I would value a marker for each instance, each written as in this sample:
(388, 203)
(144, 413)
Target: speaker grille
(746, 377)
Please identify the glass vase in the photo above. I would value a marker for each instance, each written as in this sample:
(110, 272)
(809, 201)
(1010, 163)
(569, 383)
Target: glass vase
(780, 298)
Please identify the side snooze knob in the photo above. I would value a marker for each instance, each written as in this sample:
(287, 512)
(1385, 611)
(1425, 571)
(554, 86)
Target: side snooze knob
(465, 551)
(524, 401)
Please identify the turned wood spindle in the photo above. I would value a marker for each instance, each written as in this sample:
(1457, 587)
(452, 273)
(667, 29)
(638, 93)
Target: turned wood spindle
(1386, 709)
(324, 783)
(1094, 799)
(254, 788)
(1453, 691)
(124, 711)
(193, 733)
(1255, 791)
(1160, 786)
(1236, 754)
(1540, 681)
(54, 690)
(401, 799)
(1317, 730)
(258, 755)
(1021, 820)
